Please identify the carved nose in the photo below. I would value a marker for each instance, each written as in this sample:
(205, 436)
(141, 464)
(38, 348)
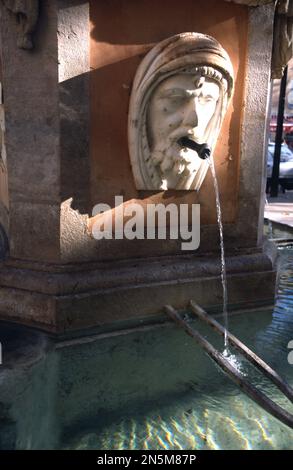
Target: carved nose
(190, 115)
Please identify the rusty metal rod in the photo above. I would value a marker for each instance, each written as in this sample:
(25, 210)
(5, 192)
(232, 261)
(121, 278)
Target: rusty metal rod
(245, 351)
(260, 398)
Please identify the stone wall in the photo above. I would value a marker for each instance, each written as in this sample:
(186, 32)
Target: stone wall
(4, 203)
(115, 55)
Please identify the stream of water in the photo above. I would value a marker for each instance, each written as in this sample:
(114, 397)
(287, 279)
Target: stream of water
(223, 263)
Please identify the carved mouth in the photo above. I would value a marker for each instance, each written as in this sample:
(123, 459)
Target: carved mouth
(203, 150)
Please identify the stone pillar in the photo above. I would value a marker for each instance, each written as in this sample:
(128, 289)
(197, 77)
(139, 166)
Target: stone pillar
(31, 103)
(46, 100)
(47, 126)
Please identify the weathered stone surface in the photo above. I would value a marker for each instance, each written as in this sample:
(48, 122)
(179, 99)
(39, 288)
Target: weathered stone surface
(105, 275)
(39, 223)
(26, 12)
(283, 37)
(254, 129)
(122, 291)
(32, 134)
(251, 3)
(3, 243)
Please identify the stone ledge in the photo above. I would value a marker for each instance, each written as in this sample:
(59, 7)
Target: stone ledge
(118, 274)
(251, 3)
(133, 302)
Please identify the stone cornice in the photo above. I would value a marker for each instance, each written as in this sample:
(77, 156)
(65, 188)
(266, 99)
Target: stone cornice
(251, 3)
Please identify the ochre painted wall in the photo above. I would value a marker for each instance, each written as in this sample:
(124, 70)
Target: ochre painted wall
(122, 31)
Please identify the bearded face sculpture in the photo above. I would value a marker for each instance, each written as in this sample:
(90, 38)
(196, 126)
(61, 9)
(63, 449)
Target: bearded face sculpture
(180, 94)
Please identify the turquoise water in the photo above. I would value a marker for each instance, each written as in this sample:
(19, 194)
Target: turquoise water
(213, 413)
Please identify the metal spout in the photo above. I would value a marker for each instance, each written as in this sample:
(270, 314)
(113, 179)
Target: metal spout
(203, 150)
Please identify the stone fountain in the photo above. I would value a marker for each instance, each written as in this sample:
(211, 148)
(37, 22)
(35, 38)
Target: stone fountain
(105, 108)
(95, 99)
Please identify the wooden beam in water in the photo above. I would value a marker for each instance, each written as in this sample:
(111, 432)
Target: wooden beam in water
(256, 395)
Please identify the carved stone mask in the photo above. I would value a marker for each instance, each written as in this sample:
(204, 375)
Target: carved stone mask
(181, 89)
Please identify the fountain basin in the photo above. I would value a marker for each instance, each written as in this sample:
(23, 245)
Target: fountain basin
(145, 386)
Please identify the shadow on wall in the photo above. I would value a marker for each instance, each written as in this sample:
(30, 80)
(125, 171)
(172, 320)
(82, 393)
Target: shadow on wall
(4, 248)
(127, 22)
(122, 33)
(74, 123)
(116, 50)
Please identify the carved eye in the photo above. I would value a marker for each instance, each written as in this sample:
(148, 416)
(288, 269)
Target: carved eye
(177, 99)
(207, 99)
(174, 97)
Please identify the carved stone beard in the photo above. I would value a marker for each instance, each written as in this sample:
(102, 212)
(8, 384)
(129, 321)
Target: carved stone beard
(175, 166)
